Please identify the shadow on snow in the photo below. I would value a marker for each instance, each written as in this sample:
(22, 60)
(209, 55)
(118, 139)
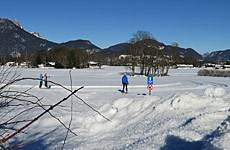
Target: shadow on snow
(39, 144)
(177, 143)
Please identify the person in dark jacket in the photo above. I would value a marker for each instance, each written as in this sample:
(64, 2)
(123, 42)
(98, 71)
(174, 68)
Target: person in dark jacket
(125, 83)
(41, 80)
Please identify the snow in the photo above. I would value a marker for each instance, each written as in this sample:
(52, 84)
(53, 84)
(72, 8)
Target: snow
(184, 111)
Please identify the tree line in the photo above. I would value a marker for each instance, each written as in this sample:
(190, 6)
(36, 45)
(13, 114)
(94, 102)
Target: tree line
(63, 57)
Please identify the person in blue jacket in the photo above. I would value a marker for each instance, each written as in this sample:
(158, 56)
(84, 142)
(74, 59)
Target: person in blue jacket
(125, 83)
(41, 80)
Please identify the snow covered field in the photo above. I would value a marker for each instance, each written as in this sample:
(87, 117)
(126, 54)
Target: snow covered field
(185, 111)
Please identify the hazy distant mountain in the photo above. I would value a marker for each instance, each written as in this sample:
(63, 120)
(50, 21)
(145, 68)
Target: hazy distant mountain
(218, 55)
(205, 54)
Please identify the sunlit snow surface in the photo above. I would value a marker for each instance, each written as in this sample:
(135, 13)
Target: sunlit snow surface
(184, 111)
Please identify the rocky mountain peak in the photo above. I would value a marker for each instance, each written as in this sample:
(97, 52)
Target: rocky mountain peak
(16, 23)
(36, 34)
(6, 24)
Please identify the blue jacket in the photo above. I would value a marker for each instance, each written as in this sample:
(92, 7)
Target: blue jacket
(125, 79)
(41, 78)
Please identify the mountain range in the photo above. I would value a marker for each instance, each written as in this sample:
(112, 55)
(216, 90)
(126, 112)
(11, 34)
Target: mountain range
(16, 41)
(220, 55)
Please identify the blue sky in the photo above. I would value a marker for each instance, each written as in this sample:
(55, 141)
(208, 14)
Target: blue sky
(203, 25)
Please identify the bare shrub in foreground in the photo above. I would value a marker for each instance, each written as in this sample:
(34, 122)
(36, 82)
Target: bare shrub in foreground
(21, 103)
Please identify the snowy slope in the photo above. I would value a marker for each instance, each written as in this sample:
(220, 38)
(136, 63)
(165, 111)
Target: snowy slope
(185, 111)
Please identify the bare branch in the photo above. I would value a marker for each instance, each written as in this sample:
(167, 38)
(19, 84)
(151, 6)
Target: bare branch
(71, 116)
(17, 80)
(35, 119)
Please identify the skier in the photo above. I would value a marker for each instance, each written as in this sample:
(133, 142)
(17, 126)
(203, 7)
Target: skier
(45, 79)
(41, 80)
(125, 83)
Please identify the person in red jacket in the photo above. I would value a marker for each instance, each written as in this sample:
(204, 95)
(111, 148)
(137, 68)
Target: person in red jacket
(45, 79)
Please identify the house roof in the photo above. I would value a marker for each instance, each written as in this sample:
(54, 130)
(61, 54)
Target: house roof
(93, 63)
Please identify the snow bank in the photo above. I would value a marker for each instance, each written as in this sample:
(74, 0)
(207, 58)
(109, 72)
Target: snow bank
(122, 109)
(214, 92)
(191, 100)
(125, 111)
